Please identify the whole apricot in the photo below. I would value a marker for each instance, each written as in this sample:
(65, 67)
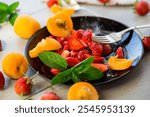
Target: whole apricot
(14, 65)
(25, 26)
(82, 91)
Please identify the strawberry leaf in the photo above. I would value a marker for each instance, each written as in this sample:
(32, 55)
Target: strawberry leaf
(53, 60)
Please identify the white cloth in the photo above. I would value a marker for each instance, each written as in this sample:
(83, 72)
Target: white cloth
(112, 2)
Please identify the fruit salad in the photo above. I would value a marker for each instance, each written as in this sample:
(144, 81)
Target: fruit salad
(72, 54)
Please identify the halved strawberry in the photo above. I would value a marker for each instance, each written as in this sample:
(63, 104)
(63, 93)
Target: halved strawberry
(106, 49)
(96, 49)
(72, 61)
(74, 43)
(101, 67)
(54, 71)
(65, 53)
(119, 53)
(80, 33)
(73, 53)
(83, 54)
(98, 59)
(87, 37)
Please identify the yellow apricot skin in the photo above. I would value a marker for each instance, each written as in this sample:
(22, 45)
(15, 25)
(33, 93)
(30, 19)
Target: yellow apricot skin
(25, 26)
(56, 8)
(14, 65)
(119, 64)
(60, 25)
(82, 91)
(47, 44)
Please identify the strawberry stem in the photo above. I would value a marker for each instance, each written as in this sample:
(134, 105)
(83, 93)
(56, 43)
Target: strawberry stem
(30, 96)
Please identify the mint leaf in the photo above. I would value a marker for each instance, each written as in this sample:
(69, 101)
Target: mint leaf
(62, 77)
(13, 7)
(53, 60)
(3, 7)
(3, 17)
(12, 18)
(74, 77)
(83, 66)
(91, 74)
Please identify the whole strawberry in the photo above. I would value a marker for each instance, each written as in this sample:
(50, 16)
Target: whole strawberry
(104, 1)
(50, 3)
(146, 42)
(2, 80)
(142, 7)
(50, 96)
(23, 86)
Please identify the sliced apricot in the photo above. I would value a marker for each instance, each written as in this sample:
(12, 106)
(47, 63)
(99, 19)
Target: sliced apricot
(56, 8)
(44, 45)
(60, 25)
(82, 91)
(118, 63)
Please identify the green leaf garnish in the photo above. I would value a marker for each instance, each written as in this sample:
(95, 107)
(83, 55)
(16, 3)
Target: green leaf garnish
(13, 7)
(62, 77)
(3, 17)
(83, 66)
(91, 74)
(12, 18)
(8, 12)
(53, 60)
(3, 7)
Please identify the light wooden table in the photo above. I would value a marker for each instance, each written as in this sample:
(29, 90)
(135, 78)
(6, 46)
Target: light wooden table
(135, 85)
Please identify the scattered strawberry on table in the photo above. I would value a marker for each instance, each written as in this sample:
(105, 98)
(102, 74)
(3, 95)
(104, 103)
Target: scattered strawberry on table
(2, 80)
(50, 96)
(142, 7)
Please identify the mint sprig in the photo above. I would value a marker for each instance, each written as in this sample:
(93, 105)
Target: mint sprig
(82, 71)
(8, 12)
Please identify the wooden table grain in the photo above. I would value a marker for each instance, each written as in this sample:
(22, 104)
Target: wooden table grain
(135, 85)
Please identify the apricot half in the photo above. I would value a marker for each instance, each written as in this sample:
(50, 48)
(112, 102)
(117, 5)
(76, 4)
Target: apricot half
(119, 64)
(82, 91)
(14, 65)
(44, 45)
(60, 25)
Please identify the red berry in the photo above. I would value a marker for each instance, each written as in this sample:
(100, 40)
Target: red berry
(74, 43)
(146, 42)
(72, 61)
(120, 53)
(87, 37)
(59, 51)
(98, 59)
(61, 40)
(96, 49)
(50, 96)
(55, 71)
(73, 53)
(106, 49)
(142, 7)
(2, 80)
(83, 54)
(104, 1)
(65, 53)
(23, 86)
(50, 3)
(80, 33)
